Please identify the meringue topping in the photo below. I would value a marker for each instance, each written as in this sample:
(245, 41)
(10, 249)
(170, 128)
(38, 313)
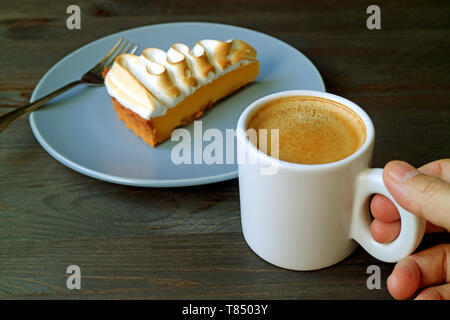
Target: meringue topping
(156, 80)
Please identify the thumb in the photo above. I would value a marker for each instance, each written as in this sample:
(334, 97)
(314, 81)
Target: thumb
(422, 195)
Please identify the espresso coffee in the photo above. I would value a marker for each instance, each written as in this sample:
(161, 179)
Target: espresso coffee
(312, 130)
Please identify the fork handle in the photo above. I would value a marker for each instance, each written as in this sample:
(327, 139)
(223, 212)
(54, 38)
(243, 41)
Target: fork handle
(10, 117)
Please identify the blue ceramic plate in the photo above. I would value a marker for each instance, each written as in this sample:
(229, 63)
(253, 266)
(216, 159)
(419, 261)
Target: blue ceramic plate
(81, 129)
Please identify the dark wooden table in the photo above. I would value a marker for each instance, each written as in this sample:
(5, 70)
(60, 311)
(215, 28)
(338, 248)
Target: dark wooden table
(187, 242)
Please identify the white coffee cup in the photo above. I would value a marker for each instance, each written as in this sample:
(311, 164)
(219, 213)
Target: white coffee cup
(307, 217)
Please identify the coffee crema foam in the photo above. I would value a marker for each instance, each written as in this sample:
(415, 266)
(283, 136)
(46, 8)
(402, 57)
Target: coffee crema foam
(312, 130)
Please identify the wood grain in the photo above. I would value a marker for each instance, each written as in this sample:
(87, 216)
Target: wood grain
(187, 242)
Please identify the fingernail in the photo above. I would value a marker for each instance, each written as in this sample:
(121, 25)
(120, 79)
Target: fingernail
(401, 171)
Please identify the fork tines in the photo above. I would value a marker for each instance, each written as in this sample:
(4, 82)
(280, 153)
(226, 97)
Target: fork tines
(111, 56)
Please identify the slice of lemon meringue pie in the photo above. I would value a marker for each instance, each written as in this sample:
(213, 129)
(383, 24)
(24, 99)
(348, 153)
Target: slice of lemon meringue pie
(158, 91)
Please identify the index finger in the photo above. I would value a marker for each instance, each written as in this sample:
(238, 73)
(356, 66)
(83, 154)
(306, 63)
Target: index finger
(439, 169)
(385, 211)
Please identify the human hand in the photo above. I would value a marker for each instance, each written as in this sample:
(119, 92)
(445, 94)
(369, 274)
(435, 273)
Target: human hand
(424, 192)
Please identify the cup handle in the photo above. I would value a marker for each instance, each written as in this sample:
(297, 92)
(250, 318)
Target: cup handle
(370, 181)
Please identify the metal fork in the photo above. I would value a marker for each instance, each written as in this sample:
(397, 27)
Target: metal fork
(93, 78)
